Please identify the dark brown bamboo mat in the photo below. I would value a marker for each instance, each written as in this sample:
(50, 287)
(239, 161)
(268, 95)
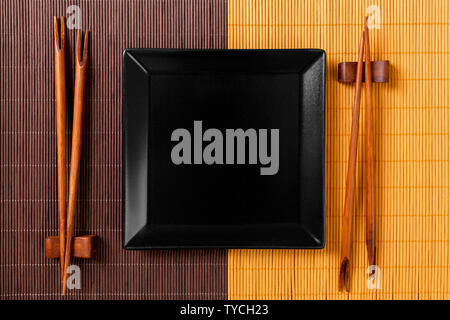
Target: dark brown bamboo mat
(28, 194)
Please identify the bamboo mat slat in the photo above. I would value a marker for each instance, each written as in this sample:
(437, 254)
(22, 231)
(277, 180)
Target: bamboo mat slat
(412, 149)
(28, 194)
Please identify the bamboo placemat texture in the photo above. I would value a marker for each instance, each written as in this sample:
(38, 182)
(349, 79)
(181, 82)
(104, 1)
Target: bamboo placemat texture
(412, 149)
(28, 194)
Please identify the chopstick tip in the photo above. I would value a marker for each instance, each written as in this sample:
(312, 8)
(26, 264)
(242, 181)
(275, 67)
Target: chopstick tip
(344, 275)
(64, 288)
(372, 256)
(82, 47)
(86, 36)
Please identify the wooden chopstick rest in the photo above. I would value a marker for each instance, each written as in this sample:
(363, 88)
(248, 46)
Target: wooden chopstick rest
(380, 71)
(82, 246)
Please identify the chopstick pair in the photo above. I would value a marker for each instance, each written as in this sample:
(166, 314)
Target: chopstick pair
(66, 231)
(346, 241)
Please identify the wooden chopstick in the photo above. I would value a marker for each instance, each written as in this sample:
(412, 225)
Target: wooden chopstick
(78, 115)
(346, 240)
(60, 92)
(370, 169)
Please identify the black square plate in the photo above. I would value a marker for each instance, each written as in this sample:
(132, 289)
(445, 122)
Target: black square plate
(201, 131)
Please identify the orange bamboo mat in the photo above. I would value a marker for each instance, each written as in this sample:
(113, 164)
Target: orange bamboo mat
(412, 149)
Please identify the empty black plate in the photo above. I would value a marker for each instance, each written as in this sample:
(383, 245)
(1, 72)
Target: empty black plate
(223, 148)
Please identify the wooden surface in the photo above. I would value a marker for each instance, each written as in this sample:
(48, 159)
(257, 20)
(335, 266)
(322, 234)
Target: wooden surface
(28, 164)
(412, 149)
